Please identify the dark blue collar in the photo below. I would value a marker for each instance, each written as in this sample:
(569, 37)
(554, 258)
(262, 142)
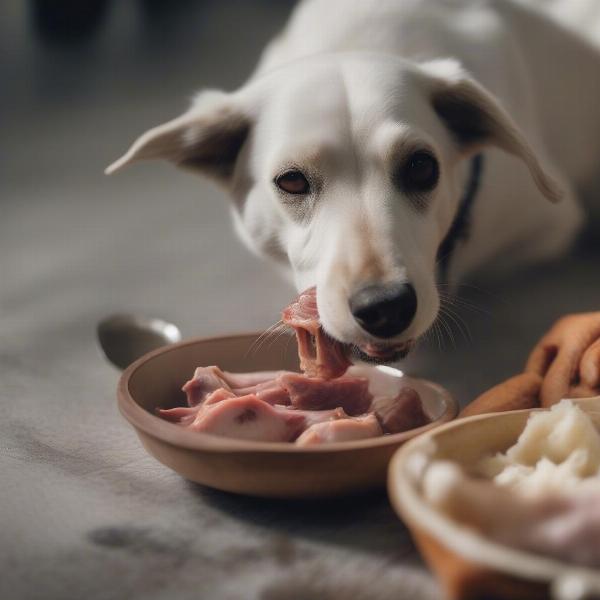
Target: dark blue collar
(459, 230)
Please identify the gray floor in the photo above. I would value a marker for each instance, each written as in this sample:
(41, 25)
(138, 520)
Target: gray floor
(84, 512)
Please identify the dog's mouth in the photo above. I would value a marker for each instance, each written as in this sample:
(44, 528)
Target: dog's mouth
(321, 355)
(381, 353)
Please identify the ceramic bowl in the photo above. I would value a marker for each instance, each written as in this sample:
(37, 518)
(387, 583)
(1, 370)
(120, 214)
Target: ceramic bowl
(255, 468)
(468, 565)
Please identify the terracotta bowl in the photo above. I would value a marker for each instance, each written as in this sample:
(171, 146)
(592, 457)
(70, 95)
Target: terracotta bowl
(468, 565)
(256, 468)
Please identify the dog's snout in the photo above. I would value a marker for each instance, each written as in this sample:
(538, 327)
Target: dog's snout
(384, 310)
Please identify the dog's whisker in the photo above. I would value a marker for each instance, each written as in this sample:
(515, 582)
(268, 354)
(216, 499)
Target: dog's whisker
(451, 333)
(462, 303)
(275, 335)
(449, 308)
(436, 331)
(263, 337)
(454, 289)
(459, 323)
(445, 329)
(430, 336)
(455, 324)
(258, 343)
(278, 335)
(443, 334)
(287, 345)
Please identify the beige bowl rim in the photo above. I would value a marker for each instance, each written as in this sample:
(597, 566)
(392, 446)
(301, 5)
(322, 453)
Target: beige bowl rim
(403, 475)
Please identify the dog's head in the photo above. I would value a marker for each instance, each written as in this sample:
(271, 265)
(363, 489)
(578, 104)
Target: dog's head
(348, 170)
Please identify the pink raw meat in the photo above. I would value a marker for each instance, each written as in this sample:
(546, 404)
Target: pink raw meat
(342, 430)
(248, 418)
(243, 380)
(271, 391)
(183, 415)
(277, 406)
(218, 396)
(351, 393)
(320, 356)
(401, 413)
(204, 381)
(207, 380)
(312, 417)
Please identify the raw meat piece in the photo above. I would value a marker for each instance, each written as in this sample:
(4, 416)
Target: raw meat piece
(182, 415)
(325, 402)
(239, 381)
(204, 381)
(218, 396)
(311, 417)
(320, 356)
(351, 393)
(401, 413)
(207, 380)
(274, 395)
(185, 415)
(248, 418)
(341, 430)
(270, 391)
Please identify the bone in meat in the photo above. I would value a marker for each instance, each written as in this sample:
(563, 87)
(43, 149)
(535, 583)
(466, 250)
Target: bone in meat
(320, 356)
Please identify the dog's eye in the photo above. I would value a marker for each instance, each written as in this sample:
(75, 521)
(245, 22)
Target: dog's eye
(292, 182)
(420, 172)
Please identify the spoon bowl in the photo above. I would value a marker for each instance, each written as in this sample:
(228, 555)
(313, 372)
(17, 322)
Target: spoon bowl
(125, 337)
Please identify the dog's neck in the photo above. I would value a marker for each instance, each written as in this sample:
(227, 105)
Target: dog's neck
(459, 230)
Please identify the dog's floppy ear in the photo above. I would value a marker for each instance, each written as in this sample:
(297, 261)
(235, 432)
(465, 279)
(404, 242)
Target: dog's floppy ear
(476, 119)
(206, 138)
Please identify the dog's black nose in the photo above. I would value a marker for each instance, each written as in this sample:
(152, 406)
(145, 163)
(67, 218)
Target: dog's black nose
(384, 310)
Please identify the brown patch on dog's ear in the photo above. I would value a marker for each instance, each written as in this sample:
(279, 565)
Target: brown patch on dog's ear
(214, 147)
(468, 124)
(207, 139)
(476, 119)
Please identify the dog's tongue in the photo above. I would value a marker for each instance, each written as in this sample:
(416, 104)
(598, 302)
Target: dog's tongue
(320, 356)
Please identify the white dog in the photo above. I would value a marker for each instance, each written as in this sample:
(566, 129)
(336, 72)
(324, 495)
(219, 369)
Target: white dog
(382, 144)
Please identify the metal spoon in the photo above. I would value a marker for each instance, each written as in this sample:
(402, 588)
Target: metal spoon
(124, 337)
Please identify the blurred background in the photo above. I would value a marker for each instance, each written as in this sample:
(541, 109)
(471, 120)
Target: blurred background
(79, 84)
(80, 80)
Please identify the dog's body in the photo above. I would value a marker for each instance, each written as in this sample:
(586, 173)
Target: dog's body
(353, 92)
(542, 75)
